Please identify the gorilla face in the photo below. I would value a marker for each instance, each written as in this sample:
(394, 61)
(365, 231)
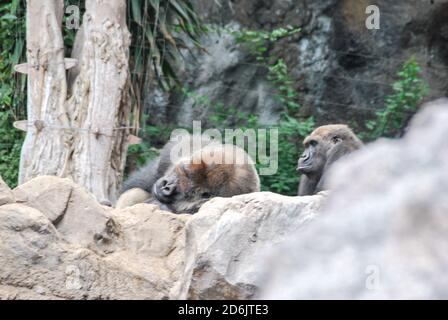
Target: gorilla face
(323, 147)
(314, 157)
(317, 152)
(186, 187)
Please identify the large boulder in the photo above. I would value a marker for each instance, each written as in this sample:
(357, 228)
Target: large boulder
(227, 240)
(6, 195)
(68, 246)
(148, 241)
(57, 242)
(384, 232)
(75, 213)
(37, 263)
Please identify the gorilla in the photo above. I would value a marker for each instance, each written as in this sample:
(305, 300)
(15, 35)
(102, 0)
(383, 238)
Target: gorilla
(323, 147)
(189, 172)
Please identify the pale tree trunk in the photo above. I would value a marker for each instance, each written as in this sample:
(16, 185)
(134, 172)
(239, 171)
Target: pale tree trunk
(83, 136)
(44, 150)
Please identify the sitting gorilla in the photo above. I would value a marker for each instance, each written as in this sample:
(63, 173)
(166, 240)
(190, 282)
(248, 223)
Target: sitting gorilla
(189, 171)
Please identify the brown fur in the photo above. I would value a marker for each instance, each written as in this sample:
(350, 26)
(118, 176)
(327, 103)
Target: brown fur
(323, 147)
(208, 172)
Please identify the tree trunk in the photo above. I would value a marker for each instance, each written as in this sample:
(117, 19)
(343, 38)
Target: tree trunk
(83, 136)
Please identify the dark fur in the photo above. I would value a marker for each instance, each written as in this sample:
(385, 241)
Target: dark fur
(145, 177)
(323, 147)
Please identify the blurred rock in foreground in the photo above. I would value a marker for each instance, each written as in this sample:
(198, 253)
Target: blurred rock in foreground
(384, 230)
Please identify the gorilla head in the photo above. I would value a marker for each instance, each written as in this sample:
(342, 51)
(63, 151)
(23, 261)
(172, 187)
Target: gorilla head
(323, 147)
(213, 171)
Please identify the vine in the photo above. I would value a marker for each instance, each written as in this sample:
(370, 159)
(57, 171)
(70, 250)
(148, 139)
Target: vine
(408, 92)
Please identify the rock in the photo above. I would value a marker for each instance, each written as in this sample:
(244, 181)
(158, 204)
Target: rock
(148, 241)
(76, 214)
(383, 233)
(341, 70)
(227, 238)
(141, 240)
(57, 242)
(6, 195)
(38, 264)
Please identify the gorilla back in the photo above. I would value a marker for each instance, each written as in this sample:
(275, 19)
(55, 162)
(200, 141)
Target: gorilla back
(181, 183)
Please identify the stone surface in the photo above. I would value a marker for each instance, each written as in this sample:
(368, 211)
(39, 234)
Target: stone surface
(37, 263)
(148, 241)
(76, 214)
(6, 195)
(228, 238)
(342, 70)
(383, 233)
(57, 242)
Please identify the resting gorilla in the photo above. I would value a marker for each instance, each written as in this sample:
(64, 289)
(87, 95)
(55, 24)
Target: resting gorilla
(323, 147)
(182, 184)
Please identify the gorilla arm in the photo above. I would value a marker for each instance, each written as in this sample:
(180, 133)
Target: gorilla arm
(137, 188)
(131, 197)
(308, 185)
(143, 178)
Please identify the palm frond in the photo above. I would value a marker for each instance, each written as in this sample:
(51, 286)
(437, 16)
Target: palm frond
(156, 27)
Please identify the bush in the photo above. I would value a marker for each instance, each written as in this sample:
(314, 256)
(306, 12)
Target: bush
(12, 89)
(408, 92)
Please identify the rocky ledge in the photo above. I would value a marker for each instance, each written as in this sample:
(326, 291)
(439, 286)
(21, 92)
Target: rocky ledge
(57, 242)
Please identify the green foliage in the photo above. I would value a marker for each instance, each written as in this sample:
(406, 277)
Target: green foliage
(10, 146)
(291, 128)
(408, 92)
(153, 139)
(290, 134)
(157, 28)
(257, 41)
(12, 88)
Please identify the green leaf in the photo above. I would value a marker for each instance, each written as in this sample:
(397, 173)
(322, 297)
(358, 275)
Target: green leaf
(136, 11)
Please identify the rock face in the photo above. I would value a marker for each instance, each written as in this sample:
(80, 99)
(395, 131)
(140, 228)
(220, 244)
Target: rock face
(383, 233)
(341, 69)
(57, 242)
(6, 195)
(37, 263)
(76, 214)
(148, 241)
(227, 240)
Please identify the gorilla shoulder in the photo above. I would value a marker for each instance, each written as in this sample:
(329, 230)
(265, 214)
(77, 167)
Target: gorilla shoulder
(323, 147)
